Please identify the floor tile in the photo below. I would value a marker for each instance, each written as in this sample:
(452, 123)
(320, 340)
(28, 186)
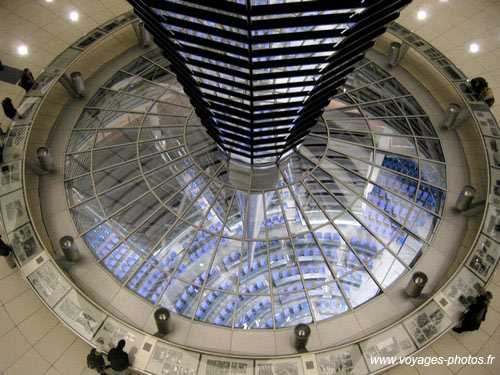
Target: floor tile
(55, 343)
(491, 348)
(12, 286)
(449, 346)
(23, 306)
(6, 323)
(12, 346)
(73, 360)
(403, 370)
(38, 325)
(472, 341)
(5, 270)
(52, 371)
(31, 363)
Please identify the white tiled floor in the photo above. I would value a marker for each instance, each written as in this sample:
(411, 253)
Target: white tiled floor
(33, 341)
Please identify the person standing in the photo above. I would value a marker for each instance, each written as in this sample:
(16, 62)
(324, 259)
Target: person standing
(118, 359)
(6, 252)
(95, 360)
(9, 109)
(475, 314)
(27, 81)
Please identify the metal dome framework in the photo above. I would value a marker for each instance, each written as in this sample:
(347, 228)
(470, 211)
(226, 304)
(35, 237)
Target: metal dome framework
(354, 207)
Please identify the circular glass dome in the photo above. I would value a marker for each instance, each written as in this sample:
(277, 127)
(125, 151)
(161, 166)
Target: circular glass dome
(348, 212)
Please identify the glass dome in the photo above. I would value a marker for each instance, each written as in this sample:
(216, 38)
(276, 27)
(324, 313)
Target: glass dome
(348, 213)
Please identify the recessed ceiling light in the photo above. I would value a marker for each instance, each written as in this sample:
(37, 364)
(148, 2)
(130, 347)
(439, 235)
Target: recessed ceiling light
(474, 48)
(421, 15)
(74, 16)
(49, 1)
(22, 50)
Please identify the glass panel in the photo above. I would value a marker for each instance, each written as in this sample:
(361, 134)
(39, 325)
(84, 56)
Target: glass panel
(430, 149)
(433, 173)
(291, 309)
(422, 127)
(101, 240)
(401, 164)
(126, 220)
(422, 223)
(216, 307)
(229, 257)
(254, 271)
(79, 190)
(398, 145)
(253, 312)
(181, 297)
(394, 182)
(150, 233)
(331, 206)
(396, 126)
(172, 247)
(196, 261)
(327, 301)
(312, 262)
(431, 198)
(87, 215)
(408, 247)
(359, 287)
(122, 262)
(117, 119)
(275, 219)
(148, 282)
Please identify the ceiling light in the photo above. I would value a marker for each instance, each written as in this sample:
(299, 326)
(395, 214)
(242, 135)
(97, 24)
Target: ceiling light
(22, 50)
(422, 15)
(74, 16)
(474, 48)
(49, 1)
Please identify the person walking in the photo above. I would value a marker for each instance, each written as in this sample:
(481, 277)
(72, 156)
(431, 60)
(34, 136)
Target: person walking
(27, 80)
(118, 359)
(475, 314)
(95, 360)
(9, 109)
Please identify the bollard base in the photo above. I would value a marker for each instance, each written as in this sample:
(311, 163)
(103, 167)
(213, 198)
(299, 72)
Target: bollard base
(301, 350)
(63, 263)
(160, 335)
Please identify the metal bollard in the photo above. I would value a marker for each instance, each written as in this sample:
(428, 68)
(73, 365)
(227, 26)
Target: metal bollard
(145, 36)
(78, 83)
(465, 198)
(142, 34)
(394, 53)
(71, 253)
(451, 116)
(302, 333)
(416, 284)
(45, 159)
(162, 316)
